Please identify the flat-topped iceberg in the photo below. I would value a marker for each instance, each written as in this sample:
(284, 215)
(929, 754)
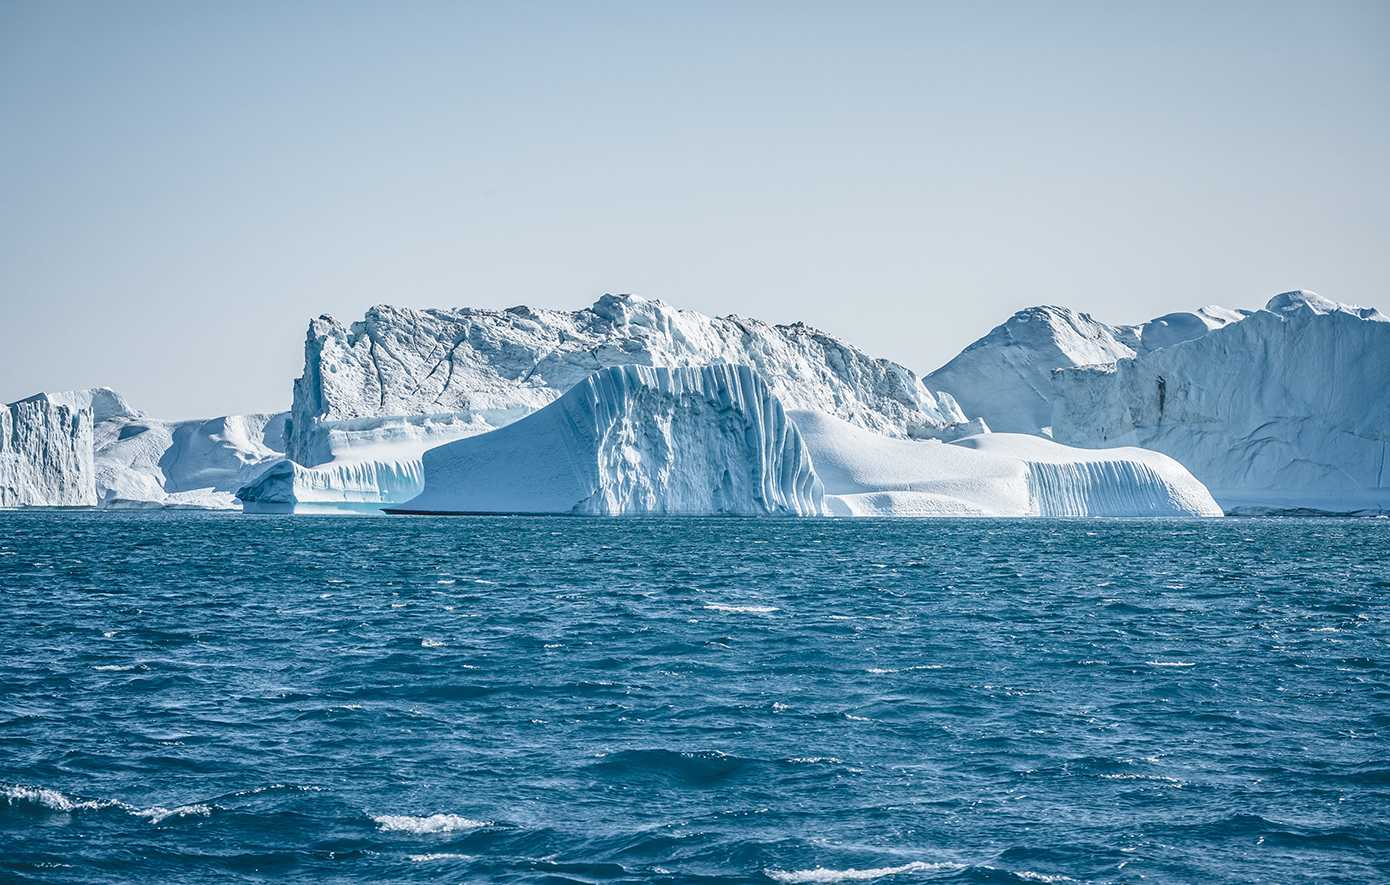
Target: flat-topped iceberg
(994, 474)
(1285, 411)
(634, 440)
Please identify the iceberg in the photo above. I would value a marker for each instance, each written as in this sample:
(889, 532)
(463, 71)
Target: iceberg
(633, 440)
(46, 453)
(374, 396)
(640, 440)
(994, 474)
(1285, 411)
(90, 448)
(145, 463)
(1005, 377)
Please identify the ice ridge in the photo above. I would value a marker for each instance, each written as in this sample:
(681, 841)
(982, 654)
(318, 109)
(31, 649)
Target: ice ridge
(477, 370)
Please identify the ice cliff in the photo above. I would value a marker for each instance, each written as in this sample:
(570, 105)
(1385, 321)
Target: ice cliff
(630, 440)
(1285, 411)
(46, 452)
(994, 474)
(1005, 377)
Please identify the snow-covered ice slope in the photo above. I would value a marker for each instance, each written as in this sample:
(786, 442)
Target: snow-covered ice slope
(868, 474)
(148, 463)
(1005, 377)
(995, 474)
(46, 453)
(1067, 481)
(634, 440)
(1285, 411)
(456, 373)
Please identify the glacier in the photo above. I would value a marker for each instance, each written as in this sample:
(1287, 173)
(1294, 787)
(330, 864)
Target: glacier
(1006, 376)
(46, 452)
(1285, 411)
(993, 474)
(375, 395)
(632, 440)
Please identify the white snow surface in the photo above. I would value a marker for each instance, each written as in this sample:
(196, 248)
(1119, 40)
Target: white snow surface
(46, 453)
(440, 375)
(995, 474)
(149, 463)
(1005, 377)
(1285, 411)
(634, 440)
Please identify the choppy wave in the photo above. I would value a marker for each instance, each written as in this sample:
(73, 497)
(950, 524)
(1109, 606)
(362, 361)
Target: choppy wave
(692, 701)
(19, 797)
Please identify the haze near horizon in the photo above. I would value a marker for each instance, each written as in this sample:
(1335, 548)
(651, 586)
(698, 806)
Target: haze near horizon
(185, 186)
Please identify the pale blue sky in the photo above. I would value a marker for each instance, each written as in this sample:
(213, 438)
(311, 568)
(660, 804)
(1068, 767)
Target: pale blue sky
(183, 185)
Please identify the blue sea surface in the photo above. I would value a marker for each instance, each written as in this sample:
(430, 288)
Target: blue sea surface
(191, 697)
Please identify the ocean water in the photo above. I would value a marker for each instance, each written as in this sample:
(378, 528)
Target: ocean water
(223, 698)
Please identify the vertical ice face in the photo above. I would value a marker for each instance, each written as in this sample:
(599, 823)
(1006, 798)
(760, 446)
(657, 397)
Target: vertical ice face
(46, 454)
(1286, 410)
(634, 440)
(456, 373)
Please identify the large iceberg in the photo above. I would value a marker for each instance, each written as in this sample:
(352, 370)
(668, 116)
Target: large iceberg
(993, 474)
(374, 396)
(1284, 411)
(46, 452)
(1005, 377)
(640, 440)
(634, 440)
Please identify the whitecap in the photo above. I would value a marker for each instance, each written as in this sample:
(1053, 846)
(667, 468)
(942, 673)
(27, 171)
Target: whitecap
(424, 824)
(54, 800)
(158, 814)
(750, 609)
(1042, 877)
(431, 643)
(118, 668)
(821, 874)
(443, 855)
(1170, 663)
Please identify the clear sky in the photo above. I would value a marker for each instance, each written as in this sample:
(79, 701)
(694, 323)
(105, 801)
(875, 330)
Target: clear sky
(184, 185)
